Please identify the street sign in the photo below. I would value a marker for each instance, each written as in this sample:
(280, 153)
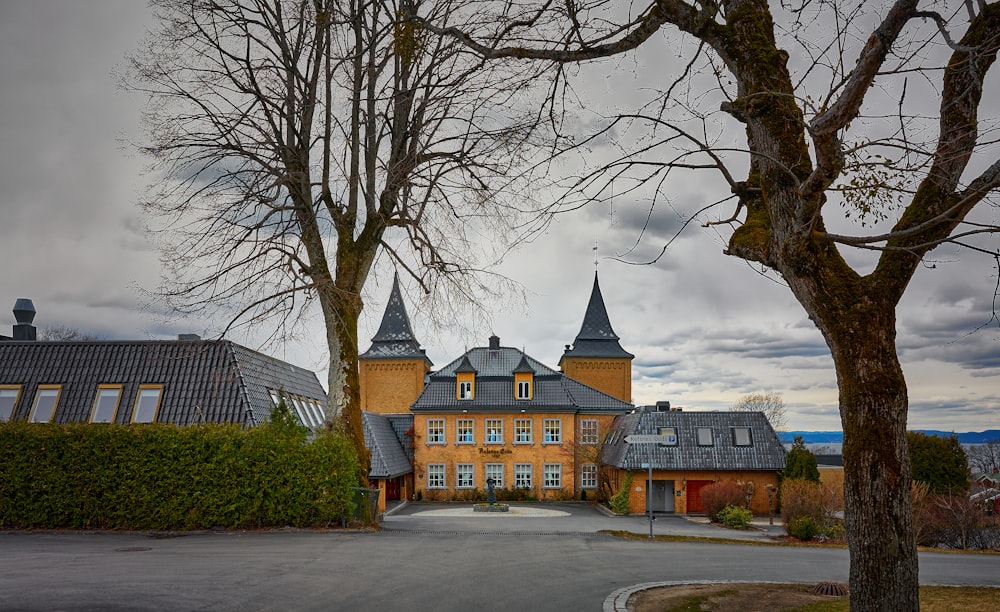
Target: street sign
(650, 439)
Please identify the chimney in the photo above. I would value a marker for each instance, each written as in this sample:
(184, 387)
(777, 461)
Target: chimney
(24, 314)
(494, 343)
(188, 337)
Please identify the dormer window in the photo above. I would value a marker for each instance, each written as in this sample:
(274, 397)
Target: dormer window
(465, 390)
(523, 390)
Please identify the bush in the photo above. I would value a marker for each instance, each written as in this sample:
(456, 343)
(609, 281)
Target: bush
(715, 497)
(802, 527)
(735, 517)
(619, 501)
(806, 498)
(159, 476)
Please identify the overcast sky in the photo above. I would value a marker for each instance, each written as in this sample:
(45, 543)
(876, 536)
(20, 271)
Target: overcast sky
(705, 328)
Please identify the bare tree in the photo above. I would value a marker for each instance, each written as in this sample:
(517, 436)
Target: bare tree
(770, 403)
(984, 458)
(63, 333)
(297, 140)
(835, 118)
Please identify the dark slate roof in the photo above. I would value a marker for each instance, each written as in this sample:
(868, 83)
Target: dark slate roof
(552, 390)
(596, 337)
(765, 453)
(204, 380)
(395, 339)
(388, 457)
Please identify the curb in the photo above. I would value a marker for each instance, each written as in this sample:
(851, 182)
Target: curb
(615, 602)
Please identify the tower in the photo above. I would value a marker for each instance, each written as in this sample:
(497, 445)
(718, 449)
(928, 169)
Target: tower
(392, 371)
(596, 358)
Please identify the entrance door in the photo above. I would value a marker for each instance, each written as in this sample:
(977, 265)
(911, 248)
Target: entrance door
(663, 496)
(694, 488)
(392, 489)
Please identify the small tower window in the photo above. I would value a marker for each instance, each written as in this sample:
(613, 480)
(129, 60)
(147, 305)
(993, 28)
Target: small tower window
(465, 390)
(523, 389)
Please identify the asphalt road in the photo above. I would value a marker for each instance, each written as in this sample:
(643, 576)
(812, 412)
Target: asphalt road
(494, 566)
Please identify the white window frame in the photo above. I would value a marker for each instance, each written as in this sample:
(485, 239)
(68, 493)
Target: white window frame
(552, 431)
(46, 392)
(437, 431)
(465, 431)
(494, 471)
(523, 389)
(436, 476)
(589, 431)
(105, 391)
(522, 475)
(465, 476)
(494, 431)
(551, 475)
(145, 391)
(522, 431)
(465, 390)
(588, 476)
(11, 393)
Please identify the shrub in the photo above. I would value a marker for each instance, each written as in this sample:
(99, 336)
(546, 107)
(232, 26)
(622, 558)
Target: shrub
(715, 497)
(802, 527)
(619, 501)
(735, 517)
(159, 476)
(806, 498)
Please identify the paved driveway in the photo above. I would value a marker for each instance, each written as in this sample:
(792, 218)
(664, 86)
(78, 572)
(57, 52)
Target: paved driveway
(419, 562)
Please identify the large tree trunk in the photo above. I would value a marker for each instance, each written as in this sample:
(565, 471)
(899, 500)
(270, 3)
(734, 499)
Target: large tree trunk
(873, 405)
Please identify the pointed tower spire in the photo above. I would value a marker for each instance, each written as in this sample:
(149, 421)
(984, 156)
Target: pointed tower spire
(596, 337)
(596, 358)
(395, 338)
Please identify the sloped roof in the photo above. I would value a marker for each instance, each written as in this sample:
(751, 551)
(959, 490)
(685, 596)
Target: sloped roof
(388, 457)
(494, 390)
(395, 338)
(596, 337)
(203, 381)
(765, 453)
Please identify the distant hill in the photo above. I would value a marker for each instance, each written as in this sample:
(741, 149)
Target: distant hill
(837, 437)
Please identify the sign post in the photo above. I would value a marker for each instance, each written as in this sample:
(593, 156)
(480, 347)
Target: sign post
(650, 439)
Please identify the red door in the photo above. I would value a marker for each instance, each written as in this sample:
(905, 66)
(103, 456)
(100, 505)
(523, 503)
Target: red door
(392, 489)
(694, 488)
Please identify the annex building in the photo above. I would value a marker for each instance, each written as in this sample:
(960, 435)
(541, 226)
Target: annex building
(497, 413)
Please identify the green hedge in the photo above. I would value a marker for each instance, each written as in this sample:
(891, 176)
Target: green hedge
(160, 476)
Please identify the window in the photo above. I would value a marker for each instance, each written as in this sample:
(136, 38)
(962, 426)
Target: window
(522, 475)
(106, 404)
(495, 471)
(317, 411)
(588, 476)
(522, 431)
(588, 431)
(275, 397)
(552, 476)
(463, 476)
(705, 436)
(9, 394)
(742, 437)
(464, 432)
(147, 403)
(523, 390)
(670, 435)
(465, 390)
(435, 476)
(553, 431)
(300, 409)
(44, 406)
(435, 431)
(494, 431)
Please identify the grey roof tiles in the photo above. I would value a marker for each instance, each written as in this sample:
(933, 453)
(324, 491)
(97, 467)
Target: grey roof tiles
(764, 453)
(203, 381)
(596, 337)
(388, 457)
(395, 338)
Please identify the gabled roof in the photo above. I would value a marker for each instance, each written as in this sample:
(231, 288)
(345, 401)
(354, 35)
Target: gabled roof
(596, 337)
(395, 338)
(765, 453)
(388, 457)
(495, 367)
(203, 381)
